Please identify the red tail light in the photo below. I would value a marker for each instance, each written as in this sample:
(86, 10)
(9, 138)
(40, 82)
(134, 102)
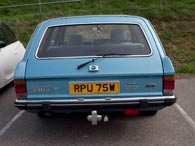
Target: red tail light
(20, 88)
(168, 84)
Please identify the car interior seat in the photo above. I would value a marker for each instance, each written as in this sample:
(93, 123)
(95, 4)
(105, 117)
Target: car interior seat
(75, 40)
(117, 35)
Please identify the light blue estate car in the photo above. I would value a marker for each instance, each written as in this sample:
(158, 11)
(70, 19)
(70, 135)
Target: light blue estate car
(95, 64)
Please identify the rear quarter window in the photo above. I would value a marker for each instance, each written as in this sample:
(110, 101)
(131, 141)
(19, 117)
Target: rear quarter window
(93, 40)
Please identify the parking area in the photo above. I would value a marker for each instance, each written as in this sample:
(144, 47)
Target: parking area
(172, 126)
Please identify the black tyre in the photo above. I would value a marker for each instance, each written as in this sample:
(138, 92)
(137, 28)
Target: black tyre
(42, 115)
(148, 113)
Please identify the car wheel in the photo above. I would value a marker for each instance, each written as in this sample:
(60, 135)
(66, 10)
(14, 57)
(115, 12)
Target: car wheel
(148, 113)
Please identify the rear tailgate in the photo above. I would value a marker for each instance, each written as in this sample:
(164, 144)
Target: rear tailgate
(116, 78)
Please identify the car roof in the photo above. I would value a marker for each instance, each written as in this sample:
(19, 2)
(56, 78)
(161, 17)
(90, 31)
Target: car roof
(89, 19)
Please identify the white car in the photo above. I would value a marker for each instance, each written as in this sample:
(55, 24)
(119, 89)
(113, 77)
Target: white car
(11, 52)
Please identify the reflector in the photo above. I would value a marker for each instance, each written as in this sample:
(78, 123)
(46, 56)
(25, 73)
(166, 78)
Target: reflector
(131, 112)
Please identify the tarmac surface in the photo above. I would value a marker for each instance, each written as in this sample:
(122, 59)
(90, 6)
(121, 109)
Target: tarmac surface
(172, 126)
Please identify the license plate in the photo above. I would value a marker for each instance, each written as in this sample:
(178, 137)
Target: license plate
(109, 87)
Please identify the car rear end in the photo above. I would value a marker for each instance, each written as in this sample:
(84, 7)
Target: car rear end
(96, 67)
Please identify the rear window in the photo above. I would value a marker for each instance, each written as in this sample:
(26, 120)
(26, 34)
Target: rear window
(93, 40)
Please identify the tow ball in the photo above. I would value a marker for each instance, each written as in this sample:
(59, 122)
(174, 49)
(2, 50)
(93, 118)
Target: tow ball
(94, 118)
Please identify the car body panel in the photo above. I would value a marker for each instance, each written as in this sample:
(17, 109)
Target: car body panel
(40, 74)
(140, 78)
(10, 55)
(125, 66)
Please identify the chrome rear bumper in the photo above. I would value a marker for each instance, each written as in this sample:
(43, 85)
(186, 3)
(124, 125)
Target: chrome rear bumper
(72, 104)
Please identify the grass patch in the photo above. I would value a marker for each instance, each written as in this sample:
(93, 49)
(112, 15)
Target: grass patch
(174, 21)
(178, 39)
(186, 68)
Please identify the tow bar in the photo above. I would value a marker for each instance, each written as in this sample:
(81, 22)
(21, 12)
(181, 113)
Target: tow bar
(94, 118)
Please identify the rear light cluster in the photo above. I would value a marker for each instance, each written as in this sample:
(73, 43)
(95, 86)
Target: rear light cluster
(20, 88)
(168, 84)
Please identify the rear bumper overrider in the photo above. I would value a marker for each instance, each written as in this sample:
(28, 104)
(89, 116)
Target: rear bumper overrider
(106, 103)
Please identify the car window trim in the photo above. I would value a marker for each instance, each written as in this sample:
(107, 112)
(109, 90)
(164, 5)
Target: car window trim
(92, 23)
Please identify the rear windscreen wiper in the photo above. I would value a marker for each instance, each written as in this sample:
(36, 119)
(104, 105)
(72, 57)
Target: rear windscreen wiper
(94, 59)
(85, 63)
